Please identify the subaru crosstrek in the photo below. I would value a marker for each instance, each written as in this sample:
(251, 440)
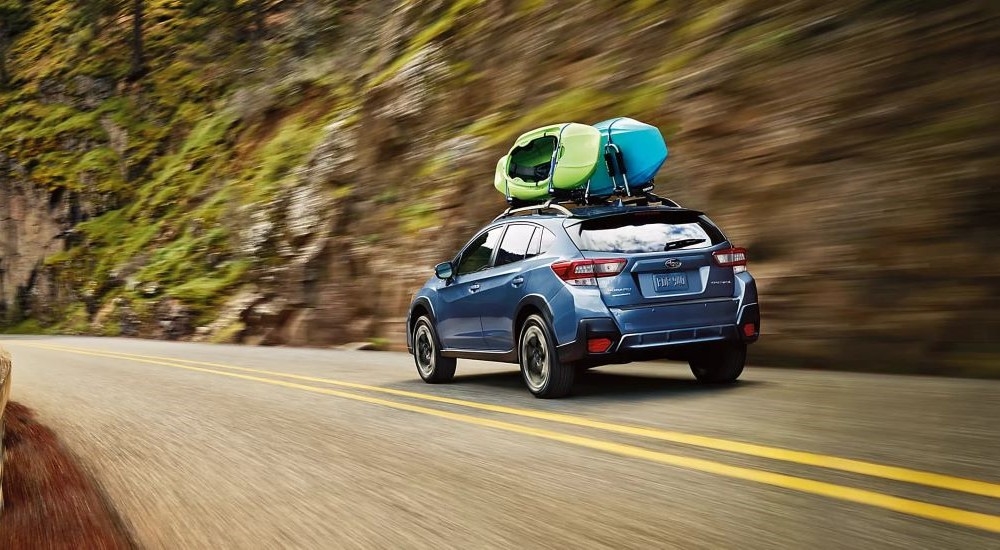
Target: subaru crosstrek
(558, 291)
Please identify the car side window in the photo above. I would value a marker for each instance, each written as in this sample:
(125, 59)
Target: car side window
(477, 255)
(540, 242)
(514, 244)
(535, 246)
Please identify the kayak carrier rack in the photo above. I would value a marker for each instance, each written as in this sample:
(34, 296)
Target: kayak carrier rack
(550, 204)
(646, 198)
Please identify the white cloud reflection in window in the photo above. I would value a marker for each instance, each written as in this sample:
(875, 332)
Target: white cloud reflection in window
(650, 237)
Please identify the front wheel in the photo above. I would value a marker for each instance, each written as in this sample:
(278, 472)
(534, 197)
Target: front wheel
(432, 366)
(544, 374)
(719, 364)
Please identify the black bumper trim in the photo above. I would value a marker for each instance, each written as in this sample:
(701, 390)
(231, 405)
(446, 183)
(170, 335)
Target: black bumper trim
(589, 328)
(749, 314)
(642, 346)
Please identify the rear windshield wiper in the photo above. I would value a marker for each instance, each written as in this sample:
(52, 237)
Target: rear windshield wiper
(681, 243)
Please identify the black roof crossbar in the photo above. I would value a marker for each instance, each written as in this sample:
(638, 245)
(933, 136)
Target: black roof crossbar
(645, 199)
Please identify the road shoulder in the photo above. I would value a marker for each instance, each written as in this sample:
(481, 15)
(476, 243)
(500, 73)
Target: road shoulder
(49, 501)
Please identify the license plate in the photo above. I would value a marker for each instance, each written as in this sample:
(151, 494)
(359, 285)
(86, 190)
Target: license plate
(670, 281)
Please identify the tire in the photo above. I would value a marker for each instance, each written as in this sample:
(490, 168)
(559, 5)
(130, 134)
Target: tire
(543, 373)
(431, 365)
(719, 364)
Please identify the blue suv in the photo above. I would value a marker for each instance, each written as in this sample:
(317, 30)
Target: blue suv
(557, 291)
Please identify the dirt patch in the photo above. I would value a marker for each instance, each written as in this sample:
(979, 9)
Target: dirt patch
(49, 502)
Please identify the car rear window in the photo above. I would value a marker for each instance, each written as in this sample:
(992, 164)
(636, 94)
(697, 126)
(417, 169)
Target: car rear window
(640, 232)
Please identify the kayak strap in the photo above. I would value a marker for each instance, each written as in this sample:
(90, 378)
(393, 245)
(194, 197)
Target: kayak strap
(614, 160)
(555, 159)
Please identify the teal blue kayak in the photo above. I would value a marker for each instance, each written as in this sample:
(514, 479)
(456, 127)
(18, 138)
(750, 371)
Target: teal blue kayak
(633, 154)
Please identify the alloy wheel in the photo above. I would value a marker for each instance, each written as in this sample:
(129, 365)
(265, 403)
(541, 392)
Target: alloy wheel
(424, 350)
(535, 357)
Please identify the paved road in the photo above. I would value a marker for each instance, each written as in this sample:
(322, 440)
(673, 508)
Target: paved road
(202, 446)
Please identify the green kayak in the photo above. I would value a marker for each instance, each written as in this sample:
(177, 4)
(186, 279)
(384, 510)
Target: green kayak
(561, 156)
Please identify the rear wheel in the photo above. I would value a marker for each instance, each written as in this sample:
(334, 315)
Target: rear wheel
(544, 374)
(432, 366)
(719, 364)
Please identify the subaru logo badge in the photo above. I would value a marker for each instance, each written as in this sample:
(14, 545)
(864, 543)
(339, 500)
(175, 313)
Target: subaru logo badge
(672, 263)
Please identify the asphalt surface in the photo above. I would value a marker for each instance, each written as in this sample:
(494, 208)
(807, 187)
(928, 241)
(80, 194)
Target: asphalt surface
(354, 451)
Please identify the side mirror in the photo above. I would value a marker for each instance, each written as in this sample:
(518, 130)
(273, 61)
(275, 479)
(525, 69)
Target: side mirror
(444, 270)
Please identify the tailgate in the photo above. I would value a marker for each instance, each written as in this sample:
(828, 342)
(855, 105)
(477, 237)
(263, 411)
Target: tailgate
(668, 277)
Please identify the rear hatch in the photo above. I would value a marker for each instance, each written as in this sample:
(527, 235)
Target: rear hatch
(669, 261)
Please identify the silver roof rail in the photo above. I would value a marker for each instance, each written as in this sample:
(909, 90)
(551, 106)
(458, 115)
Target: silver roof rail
(548, 205)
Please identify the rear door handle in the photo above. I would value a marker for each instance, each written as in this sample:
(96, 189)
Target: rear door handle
(474, 287)
(517, 281)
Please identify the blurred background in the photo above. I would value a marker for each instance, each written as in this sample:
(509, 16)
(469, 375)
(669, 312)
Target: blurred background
(289, 171)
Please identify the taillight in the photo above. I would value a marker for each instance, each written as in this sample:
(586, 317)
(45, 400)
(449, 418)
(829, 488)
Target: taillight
(586, 272)
(732, 257)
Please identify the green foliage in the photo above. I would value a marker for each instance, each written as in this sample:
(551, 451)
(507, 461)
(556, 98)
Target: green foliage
(643, 99)
(381, 344)
(642, 5)
(705, 22)
(229, 334)
(15, 18)
(418, 216)
(433, 29)
(294, 139)
(75, 320)
(111, 328)
(205, 290)
(27, 326)
(103, 166)
(198, 7)
(530, 6)
(573, 105)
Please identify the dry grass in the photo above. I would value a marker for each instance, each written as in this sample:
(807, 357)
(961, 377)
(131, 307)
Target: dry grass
(49, 502)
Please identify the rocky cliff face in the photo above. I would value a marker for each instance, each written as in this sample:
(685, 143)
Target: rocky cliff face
(33, 223)
(850, 147)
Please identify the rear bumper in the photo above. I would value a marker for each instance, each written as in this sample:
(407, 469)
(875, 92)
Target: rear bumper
(589, 328)
(657, 344)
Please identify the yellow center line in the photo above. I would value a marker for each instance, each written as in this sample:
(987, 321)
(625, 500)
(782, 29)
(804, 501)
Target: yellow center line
(894, 473)
(916, 508)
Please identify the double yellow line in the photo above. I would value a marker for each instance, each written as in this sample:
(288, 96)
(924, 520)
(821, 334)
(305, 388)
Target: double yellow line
(921, 509)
